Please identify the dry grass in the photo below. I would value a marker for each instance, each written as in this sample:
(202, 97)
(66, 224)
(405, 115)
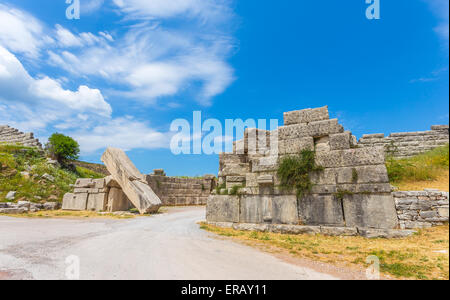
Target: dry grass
(416, 257)
(59, 214)
(441, 183)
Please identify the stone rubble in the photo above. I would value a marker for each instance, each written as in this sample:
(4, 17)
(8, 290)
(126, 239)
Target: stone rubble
(25, 206)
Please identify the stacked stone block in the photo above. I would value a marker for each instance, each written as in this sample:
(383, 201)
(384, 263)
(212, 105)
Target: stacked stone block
(407, 144)
(14, 136)
(353, 189)
(101, 195)
(422, 209)
(181, 191)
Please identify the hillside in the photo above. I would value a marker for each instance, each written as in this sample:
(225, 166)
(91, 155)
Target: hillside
(33, 177)
(425, 171)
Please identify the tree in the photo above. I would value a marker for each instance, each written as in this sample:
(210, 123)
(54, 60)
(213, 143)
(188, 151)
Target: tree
(62, 147)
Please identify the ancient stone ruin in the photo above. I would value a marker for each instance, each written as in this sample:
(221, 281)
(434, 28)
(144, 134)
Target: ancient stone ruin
(132, 189)
(175, 191)
(14, 136)
(407, 144)
(351, 193)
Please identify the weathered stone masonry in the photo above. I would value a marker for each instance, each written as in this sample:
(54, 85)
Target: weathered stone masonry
(422, 209)
(407, 144)
(14, 136)
(181, 191)
(352, 191)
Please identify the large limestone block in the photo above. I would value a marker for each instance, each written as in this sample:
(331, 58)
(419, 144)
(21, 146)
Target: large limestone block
(313, 129)
(370, 211)
(222, 209)
(340, 141)
(321, 210)
(253, 209)
(117, 200)
(97, 202)
(235, 169)
(295, 146)
(306, 115)
(364, 174)
(76, 202)
(351, 157)
(285, 210)
(131, 181)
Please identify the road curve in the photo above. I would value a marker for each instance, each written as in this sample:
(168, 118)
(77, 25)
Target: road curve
(167, 246)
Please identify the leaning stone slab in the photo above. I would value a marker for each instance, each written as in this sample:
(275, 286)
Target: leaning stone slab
(131, 181)
(306, 115)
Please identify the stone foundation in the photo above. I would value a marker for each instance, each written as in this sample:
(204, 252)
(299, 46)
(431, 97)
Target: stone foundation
(422, 209)
(407, 144)
(313, 230)
(14, 136)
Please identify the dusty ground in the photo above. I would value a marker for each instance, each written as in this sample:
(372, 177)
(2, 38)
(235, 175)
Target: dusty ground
(166, 246)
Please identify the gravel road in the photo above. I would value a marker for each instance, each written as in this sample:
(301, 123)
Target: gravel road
(167, 246)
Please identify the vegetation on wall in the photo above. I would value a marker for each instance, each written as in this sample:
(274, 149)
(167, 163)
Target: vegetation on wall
(294, 172)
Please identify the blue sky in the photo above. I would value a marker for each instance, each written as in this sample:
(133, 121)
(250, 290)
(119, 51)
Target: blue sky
(120, 74)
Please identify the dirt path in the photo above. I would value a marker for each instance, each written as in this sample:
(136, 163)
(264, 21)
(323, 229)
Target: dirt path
(167, 246)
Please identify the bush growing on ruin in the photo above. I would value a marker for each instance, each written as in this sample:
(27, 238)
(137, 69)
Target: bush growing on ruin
(62, 148)
(294, 172)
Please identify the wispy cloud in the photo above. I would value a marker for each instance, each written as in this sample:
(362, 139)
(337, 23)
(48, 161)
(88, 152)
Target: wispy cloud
(441, 9)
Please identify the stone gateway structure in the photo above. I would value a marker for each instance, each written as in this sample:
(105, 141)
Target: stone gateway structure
(350, 192)
(132, 189)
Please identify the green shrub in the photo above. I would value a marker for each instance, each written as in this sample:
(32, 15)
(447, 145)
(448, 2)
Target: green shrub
(62, 147)
(294, 172)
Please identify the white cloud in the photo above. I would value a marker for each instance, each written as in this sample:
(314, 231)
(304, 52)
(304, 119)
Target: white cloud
(124, 133)
(25, 98)
(151, 60)
(21, 32)
(155, 9)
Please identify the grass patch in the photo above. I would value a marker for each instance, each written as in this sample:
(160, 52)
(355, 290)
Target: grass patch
(427, 167)
(415, 257)
(294, 172)
(60, 214)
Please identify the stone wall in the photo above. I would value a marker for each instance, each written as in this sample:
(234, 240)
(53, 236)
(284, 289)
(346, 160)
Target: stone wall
(14, 136)
(407, 144)
(353, 190)
(102, 195)
(422, 209)
(181, 191)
